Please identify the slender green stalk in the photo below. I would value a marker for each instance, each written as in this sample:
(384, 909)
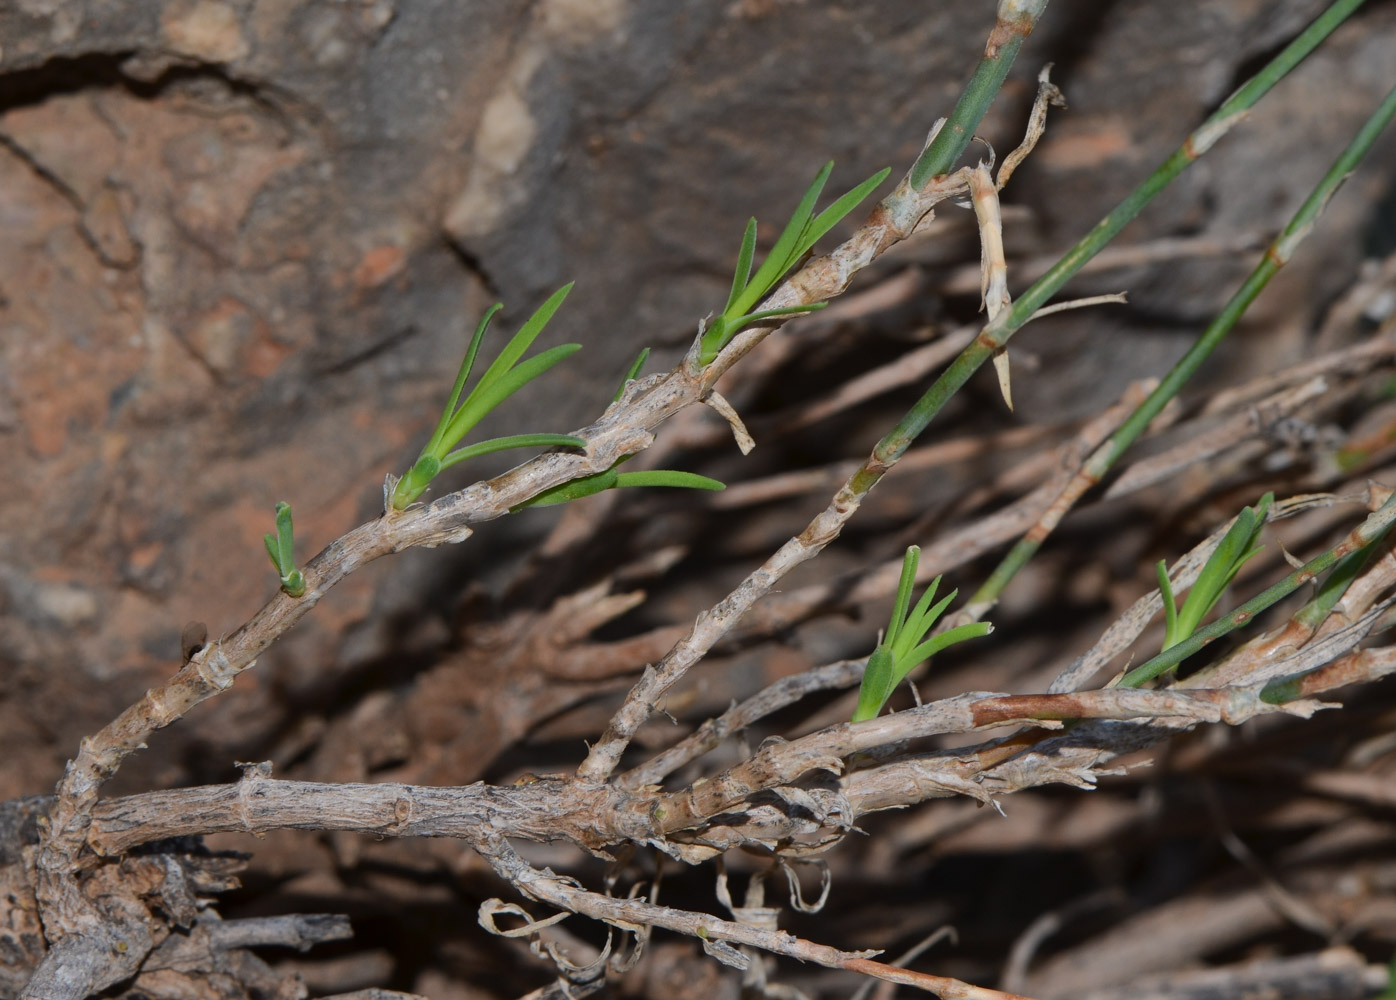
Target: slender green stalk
(1016, 19)
(1008, 322)
(1331, 591)
(1365, 533)
(1276, 256)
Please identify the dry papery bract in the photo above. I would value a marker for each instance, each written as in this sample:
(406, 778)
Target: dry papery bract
(123, 900)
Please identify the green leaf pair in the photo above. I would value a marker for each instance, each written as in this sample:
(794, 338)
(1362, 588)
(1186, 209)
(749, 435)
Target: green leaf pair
(611, 479)
(904, 646)
(279, 547)
(799, 236)
(504, 377)
(1236, 548)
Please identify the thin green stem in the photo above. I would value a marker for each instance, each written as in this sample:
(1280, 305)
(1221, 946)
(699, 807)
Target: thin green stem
(1016, 19)
(1008, 322)
(1331, 591)
(1365, 533)
(1276, 256)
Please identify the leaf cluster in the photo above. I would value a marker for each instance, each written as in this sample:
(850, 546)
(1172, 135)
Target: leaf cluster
(904, 646)
(1235, 550)
(504, 377)
(797, 239)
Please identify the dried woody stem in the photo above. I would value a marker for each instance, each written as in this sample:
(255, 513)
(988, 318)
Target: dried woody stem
(899, 213)
(683, 823)
(595, 817)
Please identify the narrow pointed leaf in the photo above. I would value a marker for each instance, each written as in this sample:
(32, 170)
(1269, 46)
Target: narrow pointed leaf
(949, 637)
(742, 276)
(512, 441)
(757, 317)
(466, 365)
(776, 262)
(574, 489)
(485, 398)
(1221, 568)
(904, 585)
(831, 216)
(522, 340)
(633, 373)
(915, 620)
(878, 685)
(917, 627)
(280, 546)
(1170, 608)
(669, 477)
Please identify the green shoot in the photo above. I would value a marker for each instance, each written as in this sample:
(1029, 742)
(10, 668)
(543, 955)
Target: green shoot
(904, 646)
(633, 373)
(575, 489)
(1281, 690)
(504, 377)
(1235, 549)
(279, 547)
(797, 239)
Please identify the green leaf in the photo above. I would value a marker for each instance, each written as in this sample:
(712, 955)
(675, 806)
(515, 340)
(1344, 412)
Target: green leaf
(904, 586)
(484, 398)
(505, 376)
(1170, 607)
(464, 373)
(669, 477)
(633, 373)
(778, 261)
(512, 441)
(524, 339)
(741, 277)
(586, 486)
(799, 236)
(1236, 548)
(904, 646)
(731, 328)
(933, 645)
(920, 624)
(878, 685)
(831, 216)
(280, 547)
(573, 489)
(280, 544)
